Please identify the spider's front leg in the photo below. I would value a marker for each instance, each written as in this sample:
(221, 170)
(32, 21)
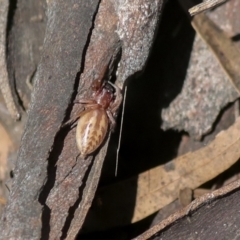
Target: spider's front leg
(117, 100)
(111, 119)
(89, 105)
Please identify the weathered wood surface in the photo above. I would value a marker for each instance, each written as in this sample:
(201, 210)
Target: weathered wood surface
(68, 26)
(52, 188)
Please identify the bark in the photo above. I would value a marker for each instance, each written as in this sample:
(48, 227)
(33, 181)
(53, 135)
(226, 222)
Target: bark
(53, 188)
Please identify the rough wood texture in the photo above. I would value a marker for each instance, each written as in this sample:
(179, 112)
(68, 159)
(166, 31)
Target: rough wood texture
(53, 188)
(25, 44)
(212, 216)
(63, 47)
(106, 43)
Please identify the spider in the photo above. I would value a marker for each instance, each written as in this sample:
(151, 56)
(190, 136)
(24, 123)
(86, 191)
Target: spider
(99, 112)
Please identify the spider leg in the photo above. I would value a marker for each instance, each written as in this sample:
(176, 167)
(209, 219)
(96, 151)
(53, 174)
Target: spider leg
(85, 101)
(118, 99)
(88, 103)
(112, 120)
(74, 119)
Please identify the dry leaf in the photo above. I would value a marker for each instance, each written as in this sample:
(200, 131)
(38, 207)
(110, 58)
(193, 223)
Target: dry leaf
(185, 196)
(199, 192)
(160, 186)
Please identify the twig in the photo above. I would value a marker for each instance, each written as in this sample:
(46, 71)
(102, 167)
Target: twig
(205, 6)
